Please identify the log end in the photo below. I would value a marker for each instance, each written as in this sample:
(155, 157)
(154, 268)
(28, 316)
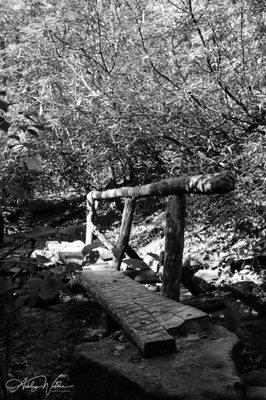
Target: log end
(211, 184)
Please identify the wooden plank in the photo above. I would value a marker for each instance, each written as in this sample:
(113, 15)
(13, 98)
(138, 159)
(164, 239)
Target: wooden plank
(145, 318)
(124, 232)
(201, 184)
(174, 245)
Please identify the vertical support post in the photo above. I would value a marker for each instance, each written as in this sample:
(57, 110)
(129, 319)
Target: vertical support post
(174, 245)
(124, 232)
(90, 216)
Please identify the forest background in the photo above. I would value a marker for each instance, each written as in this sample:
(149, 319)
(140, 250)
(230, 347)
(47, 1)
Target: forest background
(98, 94)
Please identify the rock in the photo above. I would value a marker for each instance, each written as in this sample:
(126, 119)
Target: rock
(195, 262)
(251, 293)
(135, 264)
(207, 275)
(44, 257)
(152, 262)
(105, 254)
(153, 288)
(96, 247)
(89, 247)
(53, 245)
(130, 273)
(147, 277)
(193, 284)
(201, 369)
(119, 336)
(92, 257)
(257, 262)
(138, 270)
(239, 308)
(208, 302)
(71, 249)
(256, 392)
(93, 335)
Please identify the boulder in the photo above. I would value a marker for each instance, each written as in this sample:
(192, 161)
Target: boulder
(147, 276)
(207, 302)
(251, 293)
(201, 369)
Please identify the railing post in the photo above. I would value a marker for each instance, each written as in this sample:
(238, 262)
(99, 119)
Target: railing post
(90, 216)
(124, 232)
(174, 245)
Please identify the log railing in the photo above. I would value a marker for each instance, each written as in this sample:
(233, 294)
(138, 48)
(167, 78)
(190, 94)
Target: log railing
(176, 189)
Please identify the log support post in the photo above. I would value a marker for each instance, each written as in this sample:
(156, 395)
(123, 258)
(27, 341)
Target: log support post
(90, 217)
(174, 245)
(123, 239)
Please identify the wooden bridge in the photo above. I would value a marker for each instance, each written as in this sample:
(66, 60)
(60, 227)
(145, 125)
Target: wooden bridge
(149, 320)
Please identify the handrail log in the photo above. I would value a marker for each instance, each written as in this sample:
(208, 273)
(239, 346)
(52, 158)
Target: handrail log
(201, 184)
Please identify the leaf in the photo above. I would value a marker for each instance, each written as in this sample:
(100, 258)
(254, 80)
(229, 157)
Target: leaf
(4, 105)
(23, 127)
(43, 260)
(29, 145)
(33, 285)
(34, 164)
(41, 127)
(14, 137)
(5, 286)
(15, 270)
(4, 125)
(17, 146)
(35, 233)
(59, 271)
(50, 287)
(33, 132)
(17, 192)
(22, 300)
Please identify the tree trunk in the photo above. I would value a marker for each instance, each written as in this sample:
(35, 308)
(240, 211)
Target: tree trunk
(174, 245)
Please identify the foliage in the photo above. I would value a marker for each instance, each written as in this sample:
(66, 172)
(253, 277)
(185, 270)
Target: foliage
(104, 92)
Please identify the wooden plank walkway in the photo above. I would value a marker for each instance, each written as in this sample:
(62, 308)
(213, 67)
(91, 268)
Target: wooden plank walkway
(147, 318)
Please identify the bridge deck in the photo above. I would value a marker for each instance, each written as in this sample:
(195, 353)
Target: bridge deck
(147, 318)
